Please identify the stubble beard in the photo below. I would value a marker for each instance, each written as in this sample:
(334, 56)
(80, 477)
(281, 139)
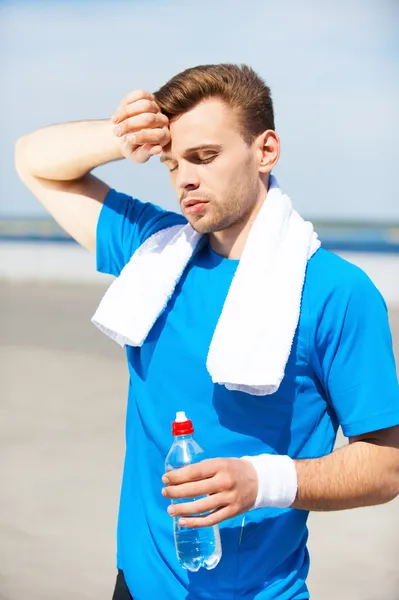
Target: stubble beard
(215, 221)
(219, 217)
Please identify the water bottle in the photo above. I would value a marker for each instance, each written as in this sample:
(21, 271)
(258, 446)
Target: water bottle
(195, 547)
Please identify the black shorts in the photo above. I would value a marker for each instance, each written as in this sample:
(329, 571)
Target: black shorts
(121, 591)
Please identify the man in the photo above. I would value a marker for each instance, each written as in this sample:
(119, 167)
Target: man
(214, 129)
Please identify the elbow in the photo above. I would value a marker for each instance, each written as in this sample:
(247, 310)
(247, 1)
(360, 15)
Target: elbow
(395, 476)
(391, 490)
(22, 159)
(19, 162)
(396, 485)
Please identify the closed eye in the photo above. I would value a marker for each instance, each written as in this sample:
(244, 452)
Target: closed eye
(197, 161)
(202, 161)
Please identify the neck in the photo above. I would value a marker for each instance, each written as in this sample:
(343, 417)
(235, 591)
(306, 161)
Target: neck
(230, 242)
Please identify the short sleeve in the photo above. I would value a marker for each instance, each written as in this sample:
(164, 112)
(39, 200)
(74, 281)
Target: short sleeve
(353, 343)
(123, 225)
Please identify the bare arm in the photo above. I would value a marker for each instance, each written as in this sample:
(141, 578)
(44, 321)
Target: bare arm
(55, 162)
(68, 151)
(364, 473)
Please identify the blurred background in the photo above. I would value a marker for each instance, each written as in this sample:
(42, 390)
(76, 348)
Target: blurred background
(333, 68)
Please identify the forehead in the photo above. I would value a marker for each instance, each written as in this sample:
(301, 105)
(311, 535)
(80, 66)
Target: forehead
(211, 122)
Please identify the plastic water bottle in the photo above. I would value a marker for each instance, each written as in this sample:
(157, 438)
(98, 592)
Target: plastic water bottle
(195, 547)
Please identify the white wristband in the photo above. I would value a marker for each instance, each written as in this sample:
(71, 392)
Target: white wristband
(277, 480)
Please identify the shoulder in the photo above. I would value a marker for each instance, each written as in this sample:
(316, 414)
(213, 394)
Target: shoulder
(339, 301)
(350, 344)
(145, 217)
(332, 280)
(124, 224)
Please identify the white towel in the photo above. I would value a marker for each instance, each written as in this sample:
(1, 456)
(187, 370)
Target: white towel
(253, 337)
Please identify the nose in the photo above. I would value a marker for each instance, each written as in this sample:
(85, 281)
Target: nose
(187, 176)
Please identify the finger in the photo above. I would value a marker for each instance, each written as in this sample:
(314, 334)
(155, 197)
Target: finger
(137, 95)
(129, 139)
(201, 470)
(155, 150)
(219, 515)
(147, 148)
(143, 121)
(192, 489)
(141, 154)
(136, 108)
(156, 137)
(129, 144)
(197, 507)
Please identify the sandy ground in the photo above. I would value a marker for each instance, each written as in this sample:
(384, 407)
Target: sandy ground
(62, 408)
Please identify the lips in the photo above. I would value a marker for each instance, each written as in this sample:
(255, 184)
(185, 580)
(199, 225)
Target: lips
(193, 207)
(192, 202)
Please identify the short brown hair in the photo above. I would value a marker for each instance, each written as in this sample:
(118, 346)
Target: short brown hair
(237, 85)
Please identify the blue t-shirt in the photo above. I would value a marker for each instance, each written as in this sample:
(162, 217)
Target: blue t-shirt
(341, 371)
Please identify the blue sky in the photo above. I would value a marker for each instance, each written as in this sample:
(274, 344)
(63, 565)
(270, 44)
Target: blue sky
(333, 68)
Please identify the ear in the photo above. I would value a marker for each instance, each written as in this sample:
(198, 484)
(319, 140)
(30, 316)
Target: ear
(268, 150)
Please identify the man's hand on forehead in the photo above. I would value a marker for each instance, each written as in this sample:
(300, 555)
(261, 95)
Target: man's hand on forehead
(141, 126)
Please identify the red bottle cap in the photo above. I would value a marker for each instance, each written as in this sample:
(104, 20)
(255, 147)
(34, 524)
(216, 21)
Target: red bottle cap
(181, 425)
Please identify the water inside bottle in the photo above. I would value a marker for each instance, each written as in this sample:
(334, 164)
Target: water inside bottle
(195, 547)
(199, 547)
